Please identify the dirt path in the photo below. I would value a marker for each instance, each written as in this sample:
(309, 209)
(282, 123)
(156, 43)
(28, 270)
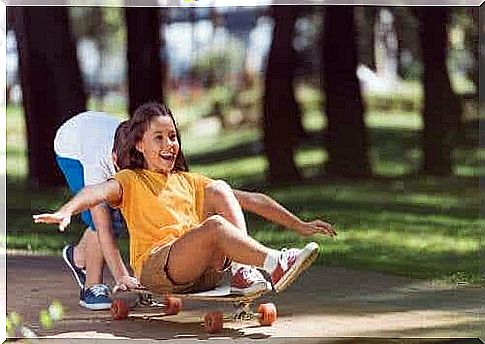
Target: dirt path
(325, 302)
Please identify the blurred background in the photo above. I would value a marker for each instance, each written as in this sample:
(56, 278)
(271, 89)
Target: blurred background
(364, 116)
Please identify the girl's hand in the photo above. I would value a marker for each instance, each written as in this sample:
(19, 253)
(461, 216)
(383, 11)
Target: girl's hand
(127, 282)
(63, 219)
(315, 227)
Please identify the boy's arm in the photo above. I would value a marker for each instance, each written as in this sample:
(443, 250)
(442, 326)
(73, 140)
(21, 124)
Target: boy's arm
(108, 192)
(271, 210)
(102, 221)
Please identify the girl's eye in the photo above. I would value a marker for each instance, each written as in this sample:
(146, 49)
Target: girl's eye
(173, 137)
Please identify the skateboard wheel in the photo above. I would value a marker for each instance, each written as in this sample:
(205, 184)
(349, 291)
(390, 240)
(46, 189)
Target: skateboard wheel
(267, 314)
(213, 322)
(119, 309)
(173, 305)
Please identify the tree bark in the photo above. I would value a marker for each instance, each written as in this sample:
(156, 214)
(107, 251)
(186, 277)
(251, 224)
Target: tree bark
(366, 23)
(347, 143)
(145, 82)
(279, 103)
(52, 86)
(442, 108)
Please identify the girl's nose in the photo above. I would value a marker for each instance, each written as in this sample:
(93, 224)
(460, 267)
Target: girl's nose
(168, 143)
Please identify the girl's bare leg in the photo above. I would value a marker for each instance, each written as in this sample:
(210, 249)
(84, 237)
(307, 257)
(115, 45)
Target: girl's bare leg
(219, 199)
(216, 237)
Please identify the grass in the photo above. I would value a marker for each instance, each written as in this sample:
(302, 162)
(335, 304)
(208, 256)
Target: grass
(419, 226)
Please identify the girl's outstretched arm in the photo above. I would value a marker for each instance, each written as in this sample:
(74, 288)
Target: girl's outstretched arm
(109, 192)
(271, 210)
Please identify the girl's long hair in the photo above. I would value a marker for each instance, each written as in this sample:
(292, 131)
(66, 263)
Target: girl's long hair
(130, 157)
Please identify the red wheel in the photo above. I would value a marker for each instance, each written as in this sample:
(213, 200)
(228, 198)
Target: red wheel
(267, 314)
(213, 322)
(119, 309)
(173, 305)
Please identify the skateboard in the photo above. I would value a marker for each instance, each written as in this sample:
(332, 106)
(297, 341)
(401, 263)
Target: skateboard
(125, 301)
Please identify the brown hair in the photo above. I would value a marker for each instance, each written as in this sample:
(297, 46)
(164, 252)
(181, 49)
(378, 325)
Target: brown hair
(120, 136)
(129, 157)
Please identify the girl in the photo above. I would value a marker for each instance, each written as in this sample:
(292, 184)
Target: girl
(184, 227)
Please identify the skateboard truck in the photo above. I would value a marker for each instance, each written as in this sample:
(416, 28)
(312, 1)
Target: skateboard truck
(244, 311)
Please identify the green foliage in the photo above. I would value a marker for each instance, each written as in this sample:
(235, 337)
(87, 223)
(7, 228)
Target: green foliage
(104, 25)
(215, 63)
(222, 95)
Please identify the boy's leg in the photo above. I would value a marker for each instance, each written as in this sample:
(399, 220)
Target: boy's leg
(94, 295)
(80, 250)
(94, 260)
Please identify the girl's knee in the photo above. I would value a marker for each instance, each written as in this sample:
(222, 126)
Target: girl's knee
(218, 225)
(216, 221)
(217, 188)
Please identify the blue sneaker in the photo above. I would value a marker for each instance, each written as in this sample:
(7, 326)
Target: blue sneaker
(96, 297)
(78, 273)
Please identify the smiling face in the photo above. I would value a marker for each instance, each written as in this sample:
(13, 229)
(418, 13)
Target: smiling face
(159, 145)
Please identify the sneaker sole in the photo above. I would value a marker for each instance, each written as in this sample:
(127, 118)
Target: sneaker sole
(68, 263)
(95, 307)
(251, 292)
(302, 263)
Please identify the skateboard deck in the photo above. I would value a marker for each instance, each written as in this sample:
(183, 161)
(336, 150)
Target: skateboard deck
(172, 304)
(124, 302)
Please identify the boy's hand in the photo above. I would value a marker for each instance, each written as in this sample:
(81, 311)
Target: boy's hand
(127, 282)
(63, 219)
(315, 227)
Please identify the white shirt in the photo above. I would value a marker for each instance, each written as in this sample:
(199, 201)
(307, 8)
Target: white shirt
(88, 137)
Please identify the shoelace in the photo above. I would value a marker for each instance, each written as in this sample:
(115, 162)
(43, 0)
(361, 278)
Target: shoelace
(249, 274)
(99, 290)
(285, 257)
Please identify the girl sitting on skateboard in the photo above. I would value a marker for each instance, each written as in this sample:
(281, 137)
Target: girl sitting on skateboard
(184, 227)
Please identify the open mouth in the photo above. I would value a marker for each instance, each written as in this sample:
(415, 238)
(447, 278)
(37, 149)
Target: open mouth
(167, 157)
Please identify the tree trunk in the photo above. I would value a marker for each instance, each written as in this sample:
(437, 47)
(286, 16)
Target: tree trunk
(52, 87)
(400, 28)
(347, 136)
(279, 104)
(442, 108)
(366, 23)
(300, 132)
(143, 54)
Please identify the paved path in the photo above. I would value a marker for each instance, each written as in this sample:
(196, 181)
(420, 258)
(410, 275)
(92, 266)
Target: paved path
(325, 302)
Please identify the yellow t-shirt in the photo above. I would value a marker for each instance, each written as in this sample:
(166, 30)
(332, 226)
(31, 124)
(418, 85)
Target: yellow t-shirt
(158, 209)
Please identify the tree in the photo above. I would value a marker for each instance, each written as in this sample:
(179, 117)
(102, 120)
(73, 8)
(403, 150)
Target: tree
(365, 21)
(102, 26)
(52, 86)
(347, 143)
(279, 103)
(406, 27)
(145, 73)
(442, 108)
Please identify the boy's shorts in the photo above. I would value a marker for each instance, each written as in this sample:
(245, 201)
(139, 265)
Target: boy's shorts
(154, 275)
(74, 174)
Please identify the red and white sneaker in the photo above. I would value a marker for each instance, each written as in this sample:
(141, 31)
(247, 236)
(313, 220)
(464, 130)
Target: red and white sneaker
(249, 281)
(291, 263)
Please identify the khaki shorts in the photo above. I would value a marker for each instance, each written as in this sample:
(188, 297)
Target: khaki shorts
(154, 275)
